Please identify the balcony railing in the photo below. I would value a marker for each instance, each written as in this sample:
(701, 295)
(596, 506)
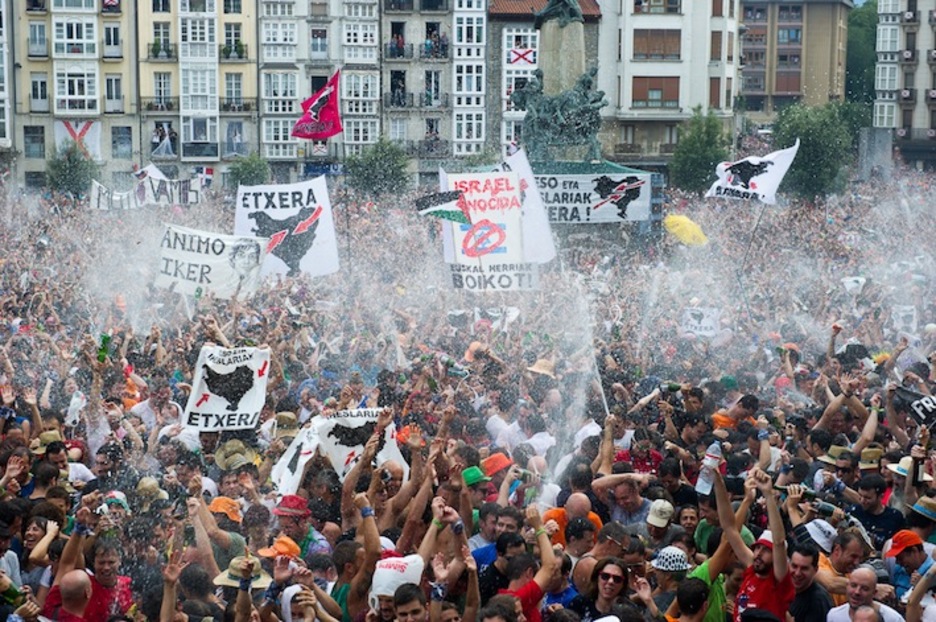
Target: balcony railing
(932, 17)
(627, 148)
(163, 51)
(38, 105)
(232, 53)
(114, 106)
(398, 99)
(907, 96)
(159, 104)
(36, 6)
(908, 56)
(38, 48)
(113, 51)
(667, 148)
(76, 105)
(200, 150)
(111, 7)
(906, 133)
(238, 104)
(910, 17)
(398, 5)
(433, 100)
(931, 56)
(931, 97)
(434, 52)
(434, 5)
(431, 148)
(392, 51)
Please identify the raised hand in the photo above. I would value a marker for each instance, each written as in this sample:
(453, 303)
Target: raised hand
(173, 569)
(439, 569)
(282, 572)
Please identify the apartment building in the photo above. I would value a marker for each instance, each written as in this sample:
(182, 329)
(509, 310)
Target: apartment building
(793, 52)
(74, 77)
(660, 59)
(6, 141)
(905, 77)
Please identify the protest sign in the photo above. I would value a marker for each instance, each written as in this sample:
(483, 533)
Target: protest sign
(297, 219)
(904, 318)
(228, 388)
(149, 191)
(195, 262)
(583, 199)
(921, 407)
(343, 435)
(700, 321)
(753, 178)
(287, 472)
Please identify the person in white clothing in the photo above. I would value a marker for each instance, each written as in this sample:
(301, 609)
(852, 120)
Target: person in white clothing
(860, 591)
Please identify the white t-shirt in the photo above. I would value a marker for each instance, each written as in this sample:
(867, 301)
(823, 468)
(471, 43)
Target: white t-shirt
(840, 614)
(589, 429)
(147, 415)
(495, 425)
(78, 472)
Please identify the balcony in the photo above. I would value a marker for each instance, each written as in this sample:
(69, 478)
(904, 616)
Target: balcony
(398, 100)
(38, 105)
(434, 5)
(627, 148)
(238, 105)
(317, 151)
(232, 53)
(907, 96)
(75, 105)
(159, 104)
(38, 49)
(398, 5)
(434, 52)
(932, 17)
(113, 52)
(931, 97)
(667, 148)
(110, 7)
(200, 150)
(906, 133)
(434, 101)
(159, 51)
(160, 151)
(431, 149)
(114, 106)
(931, 56)
(908, 57)
(394, 52)
(37, 6)
(910, 19)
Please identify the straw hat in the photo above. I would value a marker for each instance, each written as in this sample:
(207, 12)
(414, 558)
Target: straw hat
(925, 506)
(226, 454)
(871, 458)
(287, 425)
(232, 576)
(545, 367)
(833, 454)
(38, 445)
(903, 468)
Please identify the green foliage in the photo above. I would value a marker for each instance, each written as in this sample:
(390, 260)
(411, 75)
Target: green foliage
(379, 169)
(702, 145)
(860, 56)
(825, 144)
(249, 171)
(70, 171)
(855, 116)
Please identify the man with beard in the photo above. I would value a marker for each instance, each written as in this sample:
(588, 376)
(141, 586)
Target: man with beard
(767, 583)
(158, 409)
(812, 602)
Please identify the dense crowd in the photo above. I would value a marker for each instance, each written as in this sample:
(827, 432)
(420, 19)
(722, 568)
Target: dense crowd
(572, 454)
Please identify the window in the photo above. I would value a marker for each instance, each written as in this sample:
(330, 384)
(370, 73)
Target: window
(888, 6)
(908, 81)
(730, 47)
(279, 40)
(232, 34)
(234, 139)
(76, 88)
(718, 7)
(714, 93)
(790, 13)
(397, 130)
(232, 6)
(655, 92)
(657, 44)
(34, 142)
(754, 58)
(433, 93)
(233, 87)
(715, 53)
(38, 42)
(39, 92)
(756, 37)
(318, 43)
(277, 143)
(162, 85)
(360, 11)
(520, 46)
(469, 126)
(754, 83)
(360, 131)
(787, 61)
(75, 5)
(161, 34)
(121, 143)
(198, 38)
(197, 6)
(199, 129)
(885, 114)
(888, 38)
(161, 6)
(512, 132)
(360, 93)
(469, 30)
(112, 45)
(885, 77)
(514, 79)
(470, 4)
(787, 83)
(199, 89)
(469, 78)
(113, 93)
(35, 180)
(75, 37)
(729, 93)
(657, 6)
(277, 9)
(789, 35)
(279, 92)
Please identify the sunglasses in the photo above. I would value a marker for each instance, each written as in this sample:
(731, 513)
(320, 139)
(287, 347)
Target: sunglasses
(611, 578)
(844, 469)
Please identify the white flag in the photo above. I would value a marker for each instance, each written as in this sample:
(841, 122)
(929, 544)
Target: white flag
(753, 178)
(538, 244)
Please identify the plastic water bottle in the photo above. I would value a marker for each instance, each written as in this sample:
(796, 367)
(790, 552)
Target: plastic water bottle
(77, 402)
(713, 456)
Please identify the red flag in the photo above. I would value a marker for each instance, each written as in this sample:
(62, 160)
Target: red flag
(321, 117)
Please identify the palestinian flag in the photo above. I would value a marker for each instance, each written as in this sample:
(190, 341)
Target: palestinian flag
(444, 205)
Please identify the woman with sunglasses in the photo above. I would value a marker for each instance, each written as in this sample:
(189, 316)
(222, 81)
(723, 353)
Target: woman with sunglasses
(605, 593)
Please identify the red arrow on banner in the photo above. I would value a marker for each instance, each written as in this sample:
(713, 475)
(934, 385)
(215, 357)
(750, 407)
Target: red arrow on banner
(276, 239)
(262, 370)
(303, 226)
(350, 457)
(202, 399)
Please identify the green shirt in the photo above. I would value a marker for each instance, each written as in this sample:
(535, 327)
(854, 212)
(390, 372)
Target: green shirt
(716, 597)
(704, 530)
(224, 556)
(340, 594)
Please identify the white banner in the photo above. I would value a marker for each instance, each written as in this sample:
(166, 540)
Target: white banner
(85, 134)
(611, 197)
(287, 472)
(297, 219)
(149, 191)
(753, 178)
(228, 389)
(538, 245)
(197, 262)
(854, 284)
(700, 321)
(342, 437)
(904, 318)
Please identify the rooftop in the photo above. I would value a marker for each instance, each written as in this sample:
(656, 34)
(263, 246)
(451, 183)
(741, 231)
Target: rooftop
(525, 8)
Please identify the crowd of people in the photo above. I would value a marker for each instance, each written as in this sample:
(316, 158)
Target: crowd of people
(572, 454)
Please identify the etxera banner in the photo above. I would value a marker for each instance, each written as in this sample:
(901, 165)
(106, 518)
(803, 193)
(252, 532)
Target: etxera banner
(228, 388)
(197, 262)
(610, 197)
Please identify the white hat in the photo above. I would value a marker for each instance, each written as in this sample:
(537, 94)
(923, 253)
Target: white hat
(661, 512)
(671, 559)
(822, 533)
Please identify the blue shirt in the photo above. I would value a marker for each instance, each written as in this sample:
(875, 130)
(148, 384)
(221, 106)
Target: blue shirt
(485, 555)
(902, 577)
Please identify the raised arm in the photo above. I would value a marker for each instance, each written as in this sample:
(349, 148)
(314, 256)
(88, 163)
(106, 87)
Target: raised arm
(361, 582)
(775, 522)
(727, 521)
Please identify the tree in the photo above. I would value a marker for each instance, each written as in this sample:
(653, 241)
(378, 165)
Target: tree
(860, 56)
(249, 171)
(70, 171)
(702, 145)
(825, 145)
(380, 169)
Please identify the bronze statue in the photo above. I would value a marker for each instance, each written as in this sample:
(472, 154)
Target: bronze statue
(566, 11)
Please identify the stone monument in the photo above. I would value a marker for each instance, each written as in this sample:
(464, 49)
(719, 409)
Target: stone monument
(562, 44)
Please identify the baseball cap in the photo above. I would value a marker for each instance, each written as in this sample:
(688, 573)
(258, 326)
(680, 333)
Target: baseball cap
(661, 512)
(765, 539)
(903, 539)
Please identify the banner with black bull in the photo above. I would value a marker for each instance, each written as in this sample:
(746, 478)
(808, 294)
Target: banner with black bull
(297, 219)
(288, 471)
(343, 435)
(921, 407)
(228, 388)
(612, 197)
